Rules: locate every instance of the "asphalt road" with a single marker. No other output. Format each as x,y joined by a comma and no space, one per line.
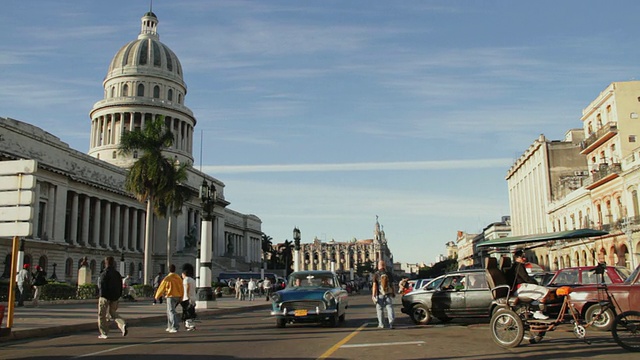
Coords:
253,335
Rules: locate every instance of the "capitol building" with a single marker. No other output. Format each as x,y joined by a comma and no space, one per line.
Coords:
81,208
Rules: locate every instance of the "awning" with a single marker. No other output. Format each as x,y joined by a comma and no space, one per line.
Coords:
522,239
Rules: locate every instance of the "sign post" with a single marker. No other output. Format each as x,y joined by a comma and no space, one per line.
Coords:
17,197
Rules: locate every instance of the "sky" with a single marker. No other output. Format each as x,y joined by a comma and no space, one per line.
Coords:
327,114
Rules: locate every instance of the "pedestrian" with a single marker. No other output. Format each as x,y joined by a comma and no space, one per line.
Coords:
156,284
266,286
251,288
189,298
110,288
39,280
383,294
238,287
171,287
127,288
23,280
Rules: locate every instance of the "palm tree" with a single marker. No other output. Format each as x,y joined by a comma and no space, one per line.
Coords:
266,246
151,176
286,250
173,200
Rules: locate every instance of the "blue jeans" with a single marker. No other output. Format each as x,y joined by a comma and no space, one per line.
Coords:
172,315
384,301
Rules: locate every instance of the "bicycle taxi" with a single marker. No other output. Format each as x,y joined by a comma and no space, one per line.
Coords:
512,320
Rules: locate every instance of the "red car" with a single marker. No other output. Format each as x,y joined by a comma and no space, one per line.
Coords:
626,293
584,275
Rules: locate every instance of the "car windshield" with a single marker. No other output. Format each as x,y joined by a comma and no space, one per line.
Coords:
434,284
310,281
633,276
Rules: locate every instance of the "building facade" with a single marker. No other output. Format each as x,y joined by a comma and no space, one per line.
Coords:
81,208
595,185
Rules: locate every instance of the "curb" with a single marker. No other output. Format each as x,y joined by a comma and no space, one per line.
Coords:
88,326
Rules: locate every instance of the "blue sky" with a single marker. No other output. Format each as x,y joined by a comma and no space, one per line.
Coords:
324,114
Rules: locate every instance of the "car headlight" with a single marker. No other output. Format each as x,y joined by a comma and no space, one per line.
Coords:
275,297
328,296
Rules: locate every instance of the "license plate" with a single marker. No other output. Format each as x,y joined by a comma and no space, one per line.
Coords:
300,313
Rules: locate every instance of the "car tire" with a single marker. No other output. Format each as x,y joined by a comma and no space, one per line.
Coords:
281,322
604,322
420,314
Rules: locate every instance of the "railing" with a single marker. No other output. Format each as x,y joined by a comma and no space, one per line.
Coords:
605,170
611,126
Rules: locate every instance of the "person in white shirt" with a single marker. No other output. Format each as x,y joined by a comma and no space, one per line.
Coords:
189,298
252,289
266,287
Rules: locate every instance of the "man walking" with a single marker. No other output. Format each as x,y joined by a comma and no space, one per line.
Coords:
171,287
23,280
110,286
39,280
156,283
383,294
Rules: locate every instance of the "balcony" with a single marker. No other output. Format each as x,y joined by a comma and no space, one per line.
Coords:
596,139
604,174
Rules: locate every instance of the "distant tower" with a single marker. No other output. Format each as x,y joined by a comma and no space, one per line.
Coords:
144,81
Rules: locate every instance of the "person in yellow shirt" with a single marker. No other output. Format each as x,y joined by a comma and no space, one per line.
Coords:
171,288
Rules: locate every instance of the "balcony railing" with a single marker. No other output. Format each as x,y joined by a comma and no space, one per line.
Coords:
605,170
609,128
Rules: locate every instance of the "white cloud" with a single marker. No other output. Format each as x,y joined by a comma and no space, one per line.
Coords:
364,166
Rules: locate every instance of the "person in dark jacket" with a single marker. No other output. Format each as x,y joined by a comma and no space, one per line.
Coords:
110,287
525,286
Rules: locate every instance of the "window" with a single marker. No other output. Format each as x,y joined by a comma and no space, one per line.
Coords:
632,138
113,155
633,115
140,90
156,92
170,95
68,268
125,90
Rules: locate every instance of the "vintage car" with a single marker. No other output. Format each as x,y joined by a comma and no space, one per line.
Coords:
457,294
310,296
577,278
626,297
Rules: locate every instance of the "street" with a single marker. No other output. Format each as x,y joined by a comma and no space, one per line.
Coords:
253,335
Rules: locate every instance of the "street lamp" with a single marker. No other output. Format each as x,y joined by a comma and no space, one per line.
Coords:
122,266
205,293
296,249
333,258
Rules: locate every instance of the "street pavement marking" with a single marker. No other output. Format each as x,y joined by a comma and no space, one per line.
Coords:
118,348
383,344
342,342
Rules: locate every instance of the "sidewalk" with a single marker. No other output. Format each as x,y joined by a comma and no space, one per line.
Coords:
63,317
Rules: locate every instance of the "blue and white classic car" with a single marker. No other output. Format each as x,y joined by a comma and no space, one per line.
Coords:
310,296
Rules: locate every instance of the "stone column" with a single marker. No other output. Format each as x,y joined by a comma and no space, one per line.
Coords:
51,209
117,240
133,242
73,233
60,210
97,214
107,225
85,220
126,230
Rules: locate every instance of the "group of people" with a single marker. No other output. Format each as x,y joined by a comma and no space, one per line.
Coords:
25,280
247,290
175,289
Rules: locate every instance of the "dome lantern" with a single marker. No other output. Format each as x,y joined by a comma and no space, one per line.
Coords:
149,26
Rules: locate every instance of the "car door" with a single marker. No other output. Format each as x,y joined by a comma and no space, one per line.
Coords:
447,300
477,295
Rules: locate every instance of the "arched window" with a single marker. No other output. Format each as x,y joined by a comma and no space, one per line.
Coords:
43,262
113,155
27,259
156,92
179,98
68,268
140,90
113,91
92,266
132,268
170,95
125,90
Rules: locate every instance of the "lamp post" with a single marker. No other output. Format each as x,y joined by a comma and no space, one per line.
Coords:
296,249
333,258
205,293
122,266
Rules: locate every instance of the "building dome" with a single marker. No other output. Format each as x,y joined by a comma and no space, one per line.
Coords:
144,81
146,54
